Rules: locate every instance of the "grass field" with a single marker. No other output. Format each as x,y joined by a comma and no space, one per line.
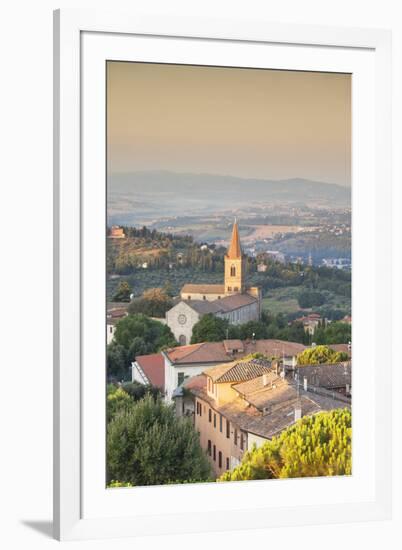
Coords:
282,300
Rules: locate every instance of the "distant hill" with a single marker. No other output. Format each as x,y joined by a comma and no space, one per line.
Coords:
143,195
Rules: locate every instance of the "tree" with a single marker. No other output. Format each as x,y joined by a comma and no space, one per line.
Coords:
318,445
123,292
320,354
149,445
310,298
334,333
209,329
154,302
117,361
153,333
117,400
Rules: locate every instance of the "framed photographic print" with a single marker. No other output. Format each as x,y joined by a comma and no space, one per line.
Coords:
222,250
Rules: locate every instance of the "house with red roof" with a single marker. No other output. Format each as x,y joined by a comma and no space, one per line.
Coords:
149,370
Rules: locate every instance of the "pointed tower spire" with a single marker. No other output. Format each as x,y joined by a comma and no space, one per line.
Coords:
234,250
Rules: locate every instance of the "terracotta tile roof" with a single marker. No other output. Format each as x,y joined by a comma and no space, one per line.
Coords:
216,352
177,355
202,289
274,348
257,384
223,305
233,345
275,410
154,368
230,303
204,306
328,375
238,371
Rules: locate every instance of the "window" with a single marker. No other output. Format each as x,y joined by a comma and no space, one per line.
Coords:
214,420
236,289
110,330
180,378
229,288
220,459
188,297
233,271
235,437
241,441
210,415
182,340
214,453
204,297
220,423
227,429
227,464
209,447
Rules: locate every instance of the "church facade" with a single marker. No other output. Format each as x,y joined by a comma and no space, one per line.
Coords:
232,300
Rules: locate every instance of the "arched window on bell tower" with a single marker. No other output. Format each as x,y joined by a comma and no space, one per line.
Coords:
233,271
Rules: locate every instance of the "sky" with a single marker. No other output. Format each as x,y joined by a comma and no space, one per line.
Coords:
255,123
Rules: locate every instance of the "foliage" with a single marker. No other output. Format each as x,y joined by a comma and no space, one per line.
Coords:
117,362
320,354
209,329
318,445
149,445
114,484
310,298
334,333
137,391
154,302
123,292
120,398
153,334
117,400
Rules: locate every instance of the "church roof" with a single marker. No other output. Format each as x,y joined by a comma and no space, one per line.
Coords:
234,251
203,289
224,305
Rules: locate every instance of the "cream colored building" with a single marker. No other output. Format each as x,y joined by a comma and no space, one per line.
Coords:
188,361
243,404
232,300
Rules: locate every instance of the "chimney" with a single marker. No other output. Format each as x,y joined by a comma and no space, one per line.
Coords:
265,379
298,410
305,385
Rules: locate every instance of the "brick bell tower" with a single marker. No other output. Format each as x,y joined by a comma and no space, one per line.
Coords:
234,265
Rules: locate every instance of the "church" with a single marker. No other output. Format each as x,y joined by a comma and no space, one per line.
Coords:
232,300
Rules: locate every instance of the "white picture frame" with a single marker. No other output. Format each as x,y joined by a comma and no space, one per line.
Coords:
83,40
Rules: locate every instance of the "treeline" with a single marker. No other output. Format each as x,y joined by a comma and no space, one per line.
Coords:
214,329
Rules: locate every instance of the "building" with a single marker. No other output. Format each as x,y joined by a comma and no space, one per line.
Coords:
240,405
232,300
116,232
186,362
115,312
149,370
311,322
335,377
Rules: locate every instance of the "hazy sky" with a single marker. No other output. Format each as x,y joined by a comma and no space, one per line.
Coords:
243,122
